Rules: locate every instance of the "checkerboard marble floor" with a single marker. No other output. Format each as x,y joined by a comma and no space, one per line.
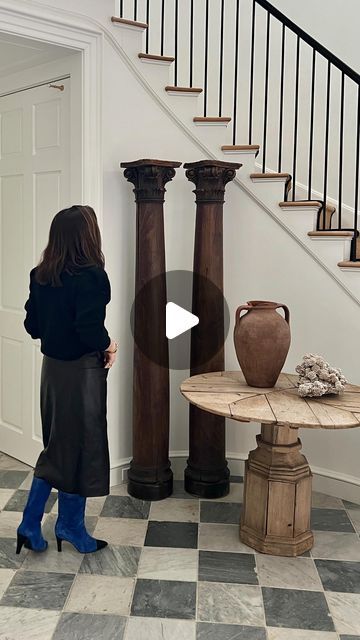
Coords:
176,570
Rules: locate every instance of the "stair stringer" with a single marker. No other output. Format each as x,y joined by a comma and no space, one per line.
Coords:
268,198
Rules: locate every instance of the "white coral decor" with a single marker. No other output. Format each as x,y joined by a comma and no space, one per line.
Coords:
317,378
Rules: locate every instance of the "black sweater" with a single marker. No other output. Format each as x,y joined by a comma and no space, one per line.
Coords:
69,320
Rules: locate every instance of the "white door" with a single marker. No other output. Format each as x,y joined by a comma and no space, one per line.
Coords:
34,185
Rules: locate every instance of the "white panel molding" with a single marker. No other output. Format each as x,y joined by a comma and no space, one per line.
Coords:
61,28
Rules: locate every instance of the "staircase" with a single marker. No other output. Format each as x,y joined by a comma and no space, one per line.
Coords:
317,203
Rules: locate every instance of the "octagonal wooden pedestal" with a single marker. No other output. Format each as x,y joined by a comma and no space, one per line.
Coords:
277,494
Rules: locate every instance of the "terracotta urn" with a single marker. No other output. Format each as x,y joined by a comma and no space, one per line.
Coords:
262,341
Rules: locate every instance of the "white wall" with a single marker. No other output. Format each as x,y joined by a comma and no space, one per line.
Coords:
261,260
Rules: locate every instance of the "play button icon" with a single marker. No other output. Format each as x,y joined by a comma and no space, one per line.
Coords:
178,320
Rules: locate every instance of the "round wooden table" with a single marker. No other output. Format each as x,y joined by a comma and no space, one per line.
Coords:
277,485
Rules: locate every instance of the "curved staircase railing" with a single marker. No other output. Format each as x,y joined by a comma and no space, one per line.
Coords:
272,84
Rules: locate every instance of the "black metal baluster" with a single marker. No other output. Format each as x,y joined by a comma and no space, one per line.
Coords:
281,98
252,71
341,153
266,92
147,22
234,118
191,42
162,27
176,44
327,126
206,55
121,8
221,56
135,10
296,117
357,167
312,113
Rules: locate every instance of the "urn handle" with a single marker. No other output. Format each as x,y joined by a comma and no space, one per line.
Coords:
286,311
243,307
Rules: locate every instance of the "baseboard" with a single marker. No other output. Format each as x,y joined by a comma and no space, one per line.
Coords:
326,481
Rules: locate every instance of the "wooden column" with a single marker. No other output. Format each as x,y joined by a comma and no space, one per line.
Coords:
277,495
207,473
150,476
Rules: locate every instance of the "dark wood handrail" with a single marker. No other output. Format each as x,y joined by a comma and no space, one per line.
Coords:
348,71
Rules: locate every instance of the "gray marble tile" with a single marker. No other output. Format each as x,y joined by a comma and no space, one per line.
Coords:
89,626
164,599
19,499
112,561
208,631
175,510
221,537
287,573
6,575
27,624
100,594
48,526
182,535
163,563
8,557
349,637
296,609
5,495
354,515
345,610
125,507
219,566
220,512
339,576
335,546
36,590
12,479
331,520
159,628
237,479
7,462
323,501
179,491
230,604
351,505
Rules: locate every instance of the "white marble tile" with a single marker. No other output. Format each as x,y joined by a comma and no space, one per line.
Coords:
235,494
354,515
345,611
26,484
6,575
221,537
17,623
336,546
8,463
287,573
230,604
5,495
160,563
175,510
323,501
121,531
119,490
275,633
9,522
100,594
154,629
51,560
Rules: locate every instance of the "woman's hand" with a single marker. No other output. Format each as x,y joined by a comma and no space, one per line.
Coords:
110,355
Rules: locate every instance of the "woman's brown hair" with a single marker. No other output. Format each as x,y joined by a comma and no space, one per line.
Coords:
74,242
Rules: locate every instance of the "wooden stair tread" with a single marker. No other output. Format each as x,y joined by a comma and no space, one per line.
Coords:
240,147
266,176
132,23
155,57
297,203
183,89
212,119
337,234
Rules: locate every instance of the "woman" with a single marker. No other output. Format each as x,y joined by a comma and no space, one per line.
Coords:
69,291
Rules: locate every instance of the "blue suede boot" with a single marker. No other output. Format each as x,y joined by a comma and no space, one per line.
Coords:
29,530
70,525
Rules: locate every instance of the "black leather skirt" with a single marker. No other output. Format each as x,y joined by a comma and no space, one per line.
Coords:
73,397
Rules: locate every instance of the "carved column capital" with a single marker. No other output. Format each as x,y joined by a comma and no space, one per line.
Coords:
210,178
149,178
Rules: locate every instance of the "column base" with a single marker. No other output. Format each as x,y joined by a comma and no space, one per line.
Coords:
149,484
207,487
277,546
